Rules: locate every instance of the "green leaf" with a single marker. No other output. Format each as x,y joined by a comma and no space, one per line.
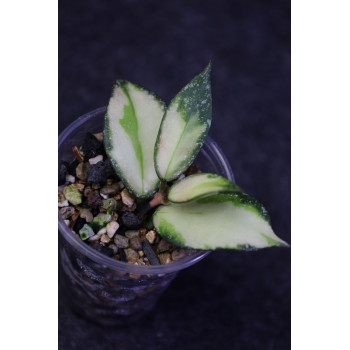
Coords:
200,185
227,221
184,127
132,123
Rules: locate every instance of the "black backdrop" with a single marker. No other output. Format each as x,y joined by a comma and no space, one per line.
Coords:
230,300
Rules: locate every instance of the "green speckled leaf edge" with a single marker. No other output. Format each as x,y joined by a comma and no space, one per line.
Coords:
199,143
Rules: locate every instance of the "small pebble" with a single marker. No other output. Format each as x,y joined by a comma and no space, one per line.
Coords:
91,147
86,214
130,220
79,186
102,249
125,208
67,212
70,178
165,258
178,254
100,221
62,201
121,241
94,200
104,196
105,239
135,243
132,233
86,232
81,170
112,228
72,195
94,238
99,136
109,204
127,198
130,254
102,231
151,236
96,159
87,191
110,190
150,254
163,246
136,261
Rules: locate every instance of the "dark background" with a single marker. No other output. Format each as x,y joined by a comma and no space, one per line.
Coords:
230,300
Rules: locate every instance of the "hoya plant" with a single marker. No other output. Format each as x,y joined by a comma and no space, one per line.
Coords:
150,145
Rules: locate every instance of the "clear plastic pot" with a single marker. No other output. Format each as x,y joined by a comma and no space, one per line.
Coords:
100,288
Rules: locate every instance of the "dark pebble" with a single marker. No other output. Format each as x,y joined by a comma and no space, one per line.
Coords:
71,167
135,243
122,255
91,147
150,253
79,223
62,174
100,172
130,220
102,249
94,200
143,209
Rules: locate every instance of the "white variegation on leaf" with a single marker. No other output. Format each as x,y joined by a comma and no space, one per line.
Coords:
132,123
200,185
184,127
228,221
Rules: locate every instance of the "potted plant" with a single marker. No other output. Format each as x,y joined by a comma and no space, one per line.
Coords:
150,147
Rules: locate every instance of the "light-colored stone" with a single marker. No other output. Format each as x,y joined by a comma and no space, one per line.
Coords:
112,228
105,239
110,190
131,254
164,258
81,170
99,136
121,241
67,212
132,233
102,231
96,159
94,238
151,236
62,201
86,214
72,195
70,178
127,198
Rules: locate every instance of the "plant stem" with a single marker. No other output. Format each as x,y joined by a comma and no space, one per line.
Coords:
160,196
156,200
162,187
